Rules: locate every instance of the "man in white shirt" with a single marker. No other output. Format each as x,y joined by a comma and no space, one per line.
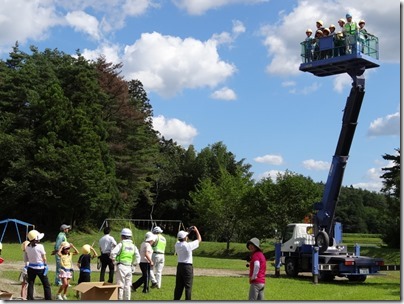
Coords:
107,243
185,271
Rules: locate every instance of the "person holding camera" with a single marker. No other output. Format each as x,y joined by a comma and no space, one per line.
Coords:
185,271
258,266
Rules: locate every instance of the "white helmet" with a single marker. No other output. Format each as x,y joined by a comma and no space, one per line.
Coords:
126,232
149,236
157,230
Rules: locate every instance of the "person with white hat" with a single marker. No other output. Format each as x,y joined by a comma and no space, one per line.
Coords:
61,237
126,256
308,46
35,256
159,247
258,266
185,271
146,262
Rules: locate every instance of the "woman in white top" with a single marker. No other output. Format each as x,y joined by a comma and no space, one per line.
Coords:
35,255
146,262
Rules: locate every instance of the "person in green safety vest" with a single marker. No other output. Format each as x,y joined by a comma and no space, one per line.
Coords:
159,248
351,32
126,256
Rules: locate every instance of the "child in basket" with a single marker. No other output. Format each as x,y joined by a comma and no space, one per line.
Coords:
84,264
66,269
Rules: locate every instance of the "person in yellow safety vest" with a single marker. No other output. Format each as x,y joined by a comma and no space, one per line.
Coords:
126,256
159,247
351,31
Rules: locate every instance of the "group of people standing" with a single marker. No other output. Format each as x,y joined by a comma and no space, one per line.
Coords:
121,258
345,40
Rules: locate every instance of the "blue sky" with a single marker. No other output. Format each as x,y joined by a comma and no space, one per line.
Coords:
228,70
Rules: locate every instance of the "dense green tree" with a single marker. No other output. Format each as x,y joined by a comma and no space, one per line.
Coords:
293,199
219,204
50,114
391,183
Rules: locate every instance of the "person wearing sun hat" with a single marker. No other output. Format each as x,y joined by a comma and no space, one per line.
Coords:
258,266
35,256
185,271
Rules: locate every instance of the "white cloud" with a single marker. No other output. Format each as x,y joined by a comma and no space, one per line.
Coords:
270,159
175,129
286,84
306,90
168,65
282,43
83,22
199,7
372,182
109,51
224,94
312,164
21,20
388,125
273,174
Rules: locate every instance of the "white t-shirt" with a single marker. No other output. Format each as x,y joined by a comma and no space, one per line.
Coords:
144,248
107,242
33,255
184,251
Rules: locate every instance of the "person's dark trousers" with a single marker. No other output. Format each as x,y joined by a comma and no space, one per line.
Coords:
183,279
32,274
144,279
106,261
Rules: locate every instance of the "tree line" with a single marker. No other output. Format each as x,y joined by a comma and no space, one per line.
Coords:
78,146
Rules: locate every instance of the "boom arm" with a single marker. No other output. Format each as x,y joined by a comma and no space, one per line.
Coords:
324,218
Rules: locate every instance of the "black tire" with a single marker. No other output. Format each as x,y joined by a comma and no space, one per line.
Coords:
326,276
322,241
357,278
291,267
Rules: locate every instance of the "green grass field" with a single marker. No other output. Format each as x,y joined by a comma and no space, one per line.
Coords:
214,256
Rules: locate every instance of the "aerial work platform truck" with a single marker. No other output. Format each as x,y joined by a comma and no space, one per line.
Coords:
317,246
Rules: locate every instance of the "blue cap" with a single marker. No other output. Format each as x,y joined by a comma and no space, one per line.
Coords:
348,16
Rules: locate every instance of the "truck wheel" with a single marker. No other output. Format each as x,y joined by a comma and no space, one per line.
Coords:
322,241
291,268
326,276
357,278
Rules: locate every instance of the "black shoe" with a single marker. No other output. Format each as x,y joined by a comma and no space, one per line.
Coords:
133,288
154,285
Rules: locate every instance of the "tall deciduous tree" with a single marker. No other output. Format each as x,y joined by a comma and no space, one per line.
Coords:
219,204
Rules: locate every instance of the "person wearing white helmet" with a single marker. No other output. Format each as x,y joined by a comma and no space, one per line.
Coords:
146,262
61,237
158,257
35,256
185,272
363,37
308,46
258,266
106,243
351,31
84,264
125,255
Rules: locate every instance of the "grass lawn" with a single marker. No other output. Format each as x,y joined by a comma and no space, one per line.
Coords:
212,256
